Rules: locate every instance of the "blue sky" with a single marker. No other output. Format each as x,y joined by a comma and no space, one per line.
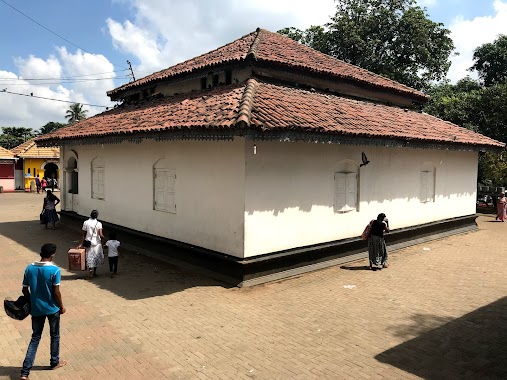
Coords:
156,34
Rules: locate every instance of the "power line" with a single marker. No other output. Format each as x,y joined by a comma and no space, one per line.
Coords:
56,34
45,83
56,100
70,77
55,81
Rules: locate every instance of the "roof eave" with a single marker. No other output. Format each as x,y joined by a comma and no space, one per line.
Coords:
270,135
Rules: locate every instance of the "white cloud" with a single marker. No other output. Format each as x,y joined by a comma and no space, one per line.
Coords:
33,112
159,36
139,42
469,34
426,3
34,67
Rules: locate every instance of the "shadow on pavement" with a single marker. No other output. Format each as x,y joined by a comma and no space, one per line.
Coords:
14,372
138,276
352,267
470,347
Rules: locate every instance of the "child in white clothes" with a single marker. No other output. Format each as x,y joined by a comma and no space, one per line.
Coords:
112,246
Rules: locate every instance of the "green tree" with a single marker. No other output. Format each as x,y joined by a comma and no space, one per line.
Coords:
393,38
474,106
493,166
50,127
470,105
11,137
75,113
490,61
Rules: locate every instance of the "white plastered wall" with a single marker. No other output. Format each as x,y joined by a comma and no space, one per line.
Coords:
290,191
209,190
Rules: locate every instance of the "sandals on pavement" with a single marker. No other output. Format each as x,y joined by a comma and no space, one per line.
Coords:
60,364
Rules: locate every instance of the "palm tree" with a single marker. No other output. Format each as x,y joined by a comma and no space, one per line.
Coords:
75,113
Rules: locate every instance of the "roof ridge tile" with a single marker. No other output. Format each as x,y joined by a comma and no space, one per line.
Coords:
252,52
246,103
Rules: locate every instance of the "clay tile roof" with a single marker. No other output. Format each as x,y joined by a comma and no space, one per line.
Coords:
6,154
267,107
212,109
29,149
22,147
273,48
279,108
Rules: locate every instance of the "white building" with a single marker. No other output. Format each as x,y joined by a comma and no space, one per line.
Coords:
250,157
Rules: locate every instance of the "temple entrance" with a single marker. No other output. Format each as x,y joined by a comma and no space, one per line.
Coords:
51,171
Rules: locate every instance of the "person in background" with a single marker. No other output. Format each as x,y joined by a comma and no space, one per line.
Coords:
49,209
92,233
501,205
113,247
52,182
44,183
38,184
41,283
377,250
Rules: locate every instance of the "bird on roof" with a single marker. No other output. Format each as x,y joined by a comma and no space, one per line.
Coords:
364,159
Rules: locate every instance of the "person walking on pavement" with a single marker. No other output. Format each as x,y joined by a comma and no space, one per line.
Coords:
41,283
38,184
501,207
377,250
91,240
49,209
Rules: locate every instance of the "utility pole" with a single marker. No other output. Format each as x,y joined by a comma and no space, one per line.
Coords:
131,71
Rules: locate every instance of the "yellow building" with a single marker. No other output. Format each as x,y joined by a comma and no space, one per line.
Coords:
36,161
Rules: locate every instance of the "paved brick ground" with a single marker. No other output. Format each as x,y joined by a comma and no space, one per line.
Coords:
438,312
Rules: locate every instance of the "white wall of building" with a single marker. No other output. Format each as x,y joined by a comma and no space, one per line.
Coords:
232,200
209,190
290,191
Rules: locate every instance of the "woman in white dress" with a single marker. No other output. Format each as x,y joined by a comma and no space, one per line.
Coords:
91,241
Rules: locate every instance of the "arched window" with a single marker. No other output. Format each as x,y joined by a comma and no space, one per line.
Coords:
346,187
164,186
427,182
98,178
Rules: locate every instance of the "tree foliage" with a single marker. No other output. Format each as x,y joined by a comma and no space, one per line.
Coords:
470,105
51,127
490,61
393,38
75,113
11,137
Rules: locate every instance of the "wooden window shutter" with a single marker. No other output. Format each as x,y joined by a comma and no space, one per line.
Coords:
424,186
351,190
164,190
340,191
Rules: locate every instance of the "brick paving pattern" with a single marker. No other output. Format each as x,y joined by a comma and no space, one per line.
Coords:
439,312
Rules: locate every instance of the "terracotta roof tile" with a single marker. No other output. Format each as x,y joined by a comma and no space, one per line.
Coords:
235,51
29,149
216,109
266,107
6,154
22,147
278,108
265,46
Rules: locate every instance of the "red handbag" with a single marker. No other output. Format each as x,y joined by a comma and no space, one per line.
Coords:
367,230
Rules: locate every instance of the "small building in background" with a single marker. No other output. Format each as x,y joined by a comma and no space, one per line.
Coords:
35,161
7,161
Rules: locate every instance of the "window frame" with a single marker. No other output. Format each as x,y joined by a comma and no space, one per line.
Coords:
427,183
160,169
350,178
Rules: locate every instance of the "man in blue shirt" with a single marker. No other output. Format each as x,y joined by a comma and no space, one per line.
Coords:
42,284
